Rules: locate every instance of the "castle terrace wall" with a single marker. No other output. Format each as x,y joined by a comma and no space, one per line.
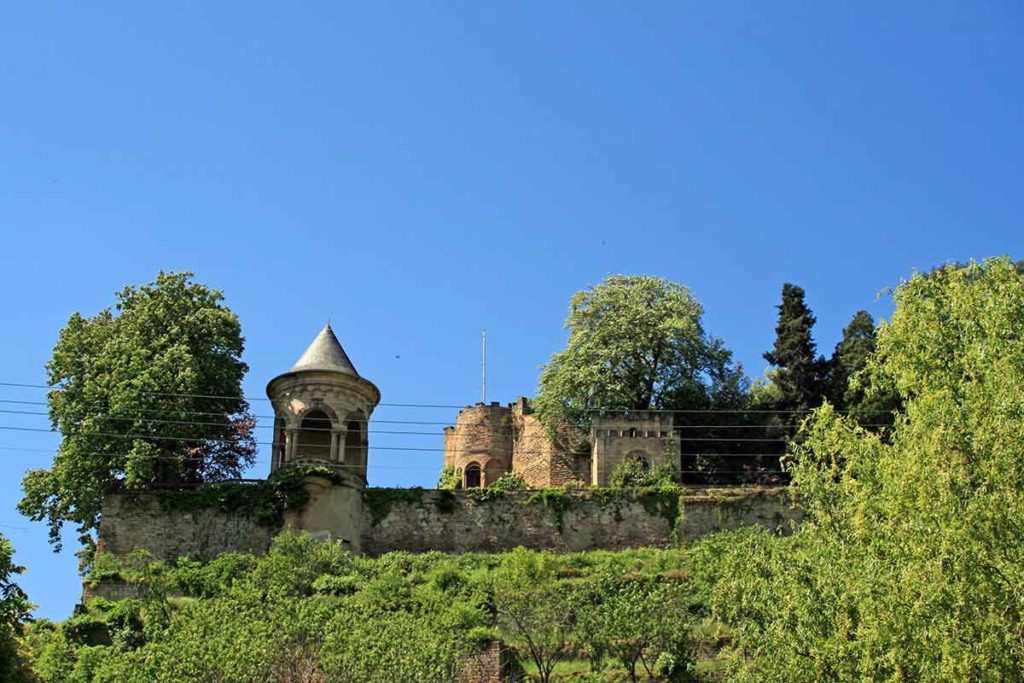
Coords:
140,520
418,520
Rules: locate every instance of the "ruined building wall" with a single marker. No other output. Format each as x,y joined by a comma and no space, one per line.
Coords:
510,439
540,462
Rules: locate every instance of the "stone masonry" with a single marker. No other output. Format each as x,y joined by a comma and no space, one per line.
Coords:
647,436
421,520
482,437
452,522
139,521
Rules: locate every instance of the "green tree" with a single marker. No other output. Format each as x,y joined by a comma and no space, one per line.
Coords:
638,620
635,472
909,565
636,343
849,358
278,617
377,647
14,611
534,613
724,439
148,394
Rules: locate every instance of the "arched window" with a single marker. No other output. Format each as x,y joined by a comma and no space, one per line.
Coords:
315,436
472,475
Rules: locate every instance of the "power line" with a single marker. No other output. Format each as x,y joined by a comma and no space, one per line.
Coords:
464,427
219,414
247,399
417,469
459,429
442,405
246,465
328,430
456,426
408,449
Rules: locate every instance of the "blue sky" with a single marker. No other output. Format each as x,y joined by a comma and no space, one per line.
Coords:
419,171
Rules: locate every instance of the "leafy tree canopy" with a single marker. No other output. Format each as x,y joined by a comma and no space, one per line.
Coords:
850,357
910,565
635,342
148,393
14,610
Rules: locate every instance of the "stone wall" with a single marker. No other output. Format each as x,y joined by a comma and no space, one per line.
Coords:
140,520
493,664
419,520
112,589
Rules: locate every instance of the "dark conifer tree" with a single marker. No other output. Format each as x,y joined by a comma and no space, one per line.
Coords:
798,371
871,401
797,378
850,356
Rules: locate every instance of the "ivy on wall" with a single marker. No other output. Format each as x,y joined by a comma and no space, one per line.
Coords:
265,501
377,502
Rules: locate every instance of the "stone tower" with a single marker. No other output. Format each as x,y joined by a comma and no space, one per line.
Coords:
321,411
479,444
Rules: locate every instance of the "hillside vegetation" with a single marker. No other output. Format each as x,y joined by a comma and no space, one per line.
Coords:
909,565
310,611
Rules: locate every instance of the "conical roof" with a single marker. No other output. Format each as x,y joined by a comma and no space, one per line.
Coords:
325,353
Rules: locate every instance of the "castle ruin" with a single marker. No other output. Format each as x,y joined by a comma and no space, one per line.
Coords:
322,408
489,440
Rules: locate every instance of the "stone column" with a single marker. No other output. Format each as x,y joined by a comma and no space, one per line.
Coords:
291,441
335,453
